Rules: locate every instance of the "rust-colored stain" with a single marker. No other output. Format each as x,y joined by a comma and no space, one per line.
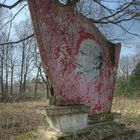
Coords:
80,62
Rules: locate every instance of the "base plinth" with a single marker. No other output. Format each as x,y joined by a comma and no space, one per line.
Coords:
66,118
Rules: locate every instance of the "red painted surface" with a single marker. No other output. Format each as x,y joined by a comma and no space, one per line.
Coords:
62,36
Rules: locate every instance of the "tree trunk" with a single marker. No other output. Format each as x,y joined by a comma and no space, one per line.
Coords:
12,78
7,74
1,74
36,84
22,68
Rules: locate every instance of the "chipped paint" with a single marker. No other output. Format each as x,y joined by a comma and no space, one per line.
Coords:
80,62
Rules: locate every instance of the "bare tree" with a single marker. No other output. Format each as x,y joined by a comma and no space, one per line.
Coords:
26,48
100,12
1,72
5,67
126,66
105,14
44,78
13,65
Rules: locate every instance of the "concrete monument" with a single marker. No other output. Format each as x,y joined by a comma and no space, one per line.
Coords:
80,62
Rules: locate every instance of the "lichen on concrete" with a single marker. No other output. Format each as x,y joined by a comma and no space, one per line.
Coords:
30,135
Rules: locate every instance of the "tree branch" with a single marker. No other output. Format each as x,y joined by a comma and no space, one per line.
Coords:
11,6
117,12
99,3
16,42
115,21
127,30
13,17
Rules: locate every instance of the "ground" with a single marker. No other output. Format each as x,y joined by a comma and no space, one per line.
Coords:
20,120
130,110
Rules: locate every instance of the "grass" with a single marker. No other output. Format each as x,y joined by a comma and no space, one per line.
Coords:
19,120
130,110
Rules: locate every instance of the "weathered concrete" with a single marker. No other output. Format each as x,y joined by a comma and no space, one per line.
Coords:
80,62
66,118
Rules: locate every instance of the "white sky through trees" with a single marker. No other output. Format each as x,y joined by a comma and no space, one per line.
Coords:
129,42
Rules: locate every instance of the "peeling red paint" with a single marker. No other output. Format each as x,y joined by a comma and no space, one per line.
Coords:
98,87
110,98
98,107
67,42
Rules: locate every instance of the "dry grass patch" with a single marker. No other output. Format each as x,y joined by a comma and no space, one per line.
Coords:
124,105
130,110
21,118
18,118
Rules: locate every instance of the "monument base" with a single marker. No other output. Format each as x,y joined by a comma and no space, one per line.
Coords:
103,127
66,118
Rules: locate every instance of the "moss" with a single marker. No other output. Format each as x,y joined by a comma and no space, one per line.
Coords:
132,118
30,135
104,117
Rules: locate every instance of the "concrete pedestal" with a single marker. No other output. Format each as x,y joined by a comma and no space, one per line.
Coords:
66,118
